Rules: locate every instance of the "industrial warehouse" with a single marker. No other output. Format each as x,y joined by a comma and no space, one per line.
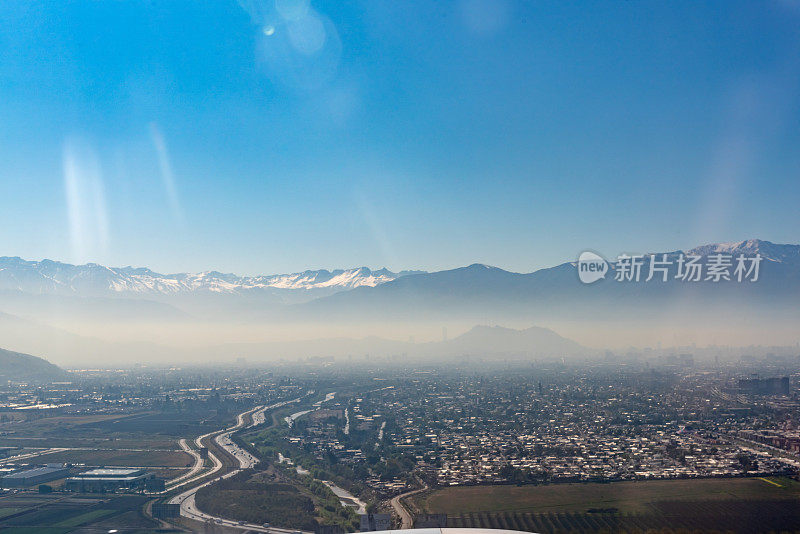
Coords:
110,479
32,477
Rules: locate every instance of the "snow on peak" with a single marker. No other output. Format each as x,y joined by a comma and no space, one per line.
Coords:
93,279
768,250
344,279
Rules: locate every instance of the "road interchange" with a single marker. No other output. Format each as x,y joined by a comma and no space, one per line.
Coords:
223,444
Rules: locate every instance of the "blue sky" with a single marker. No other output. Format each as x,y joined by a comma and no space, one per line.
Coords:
275,136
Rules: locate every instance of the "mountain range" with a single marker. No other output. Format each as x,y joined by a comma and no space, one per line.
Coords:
127,312
92,279
476,290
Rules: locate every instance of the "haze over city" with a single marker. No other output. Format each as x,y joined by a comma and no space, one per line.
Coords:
453,267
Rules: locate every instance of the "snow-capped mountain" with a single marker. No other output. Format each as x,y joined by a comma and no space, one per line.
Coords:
52,277
482,291
45,305
769,251
344,279
479,283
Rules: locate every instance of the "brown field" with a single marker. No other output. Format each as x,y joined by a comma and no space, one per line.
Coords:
49,424
727,505
156,458
167,472
97,442
133,426
633,496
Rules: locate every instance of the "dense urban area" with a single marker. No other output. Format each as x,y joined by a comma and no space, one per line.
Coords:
359,444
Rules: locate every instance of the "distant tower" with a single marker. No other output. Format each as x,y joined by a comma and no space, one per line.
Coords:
444,333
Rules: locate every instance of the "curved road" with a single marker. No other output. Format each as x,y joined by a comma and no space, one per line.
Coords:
188,478
406,521
196,468
222,438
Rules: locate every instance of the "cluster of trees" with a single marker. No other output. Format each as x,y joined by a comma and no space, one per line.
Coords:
515,475
747,462
391,464
270,442
331,510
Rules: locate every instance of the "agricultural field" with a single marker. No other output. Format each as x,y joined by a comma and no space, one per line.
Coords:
728,505
137,458
61,515
42,442
76,430
173,424
44,425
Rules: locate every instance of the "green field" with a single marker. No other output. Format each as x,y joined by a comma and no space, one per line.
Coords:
55,514
735,505
84,518
35,530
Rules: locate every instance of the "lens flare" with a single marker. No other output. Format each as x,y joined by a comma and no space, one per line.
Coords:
167,176
86,204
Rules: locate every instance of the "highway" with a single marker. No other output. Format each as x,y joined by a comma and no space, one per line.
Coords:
245,460
195,473
196,468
